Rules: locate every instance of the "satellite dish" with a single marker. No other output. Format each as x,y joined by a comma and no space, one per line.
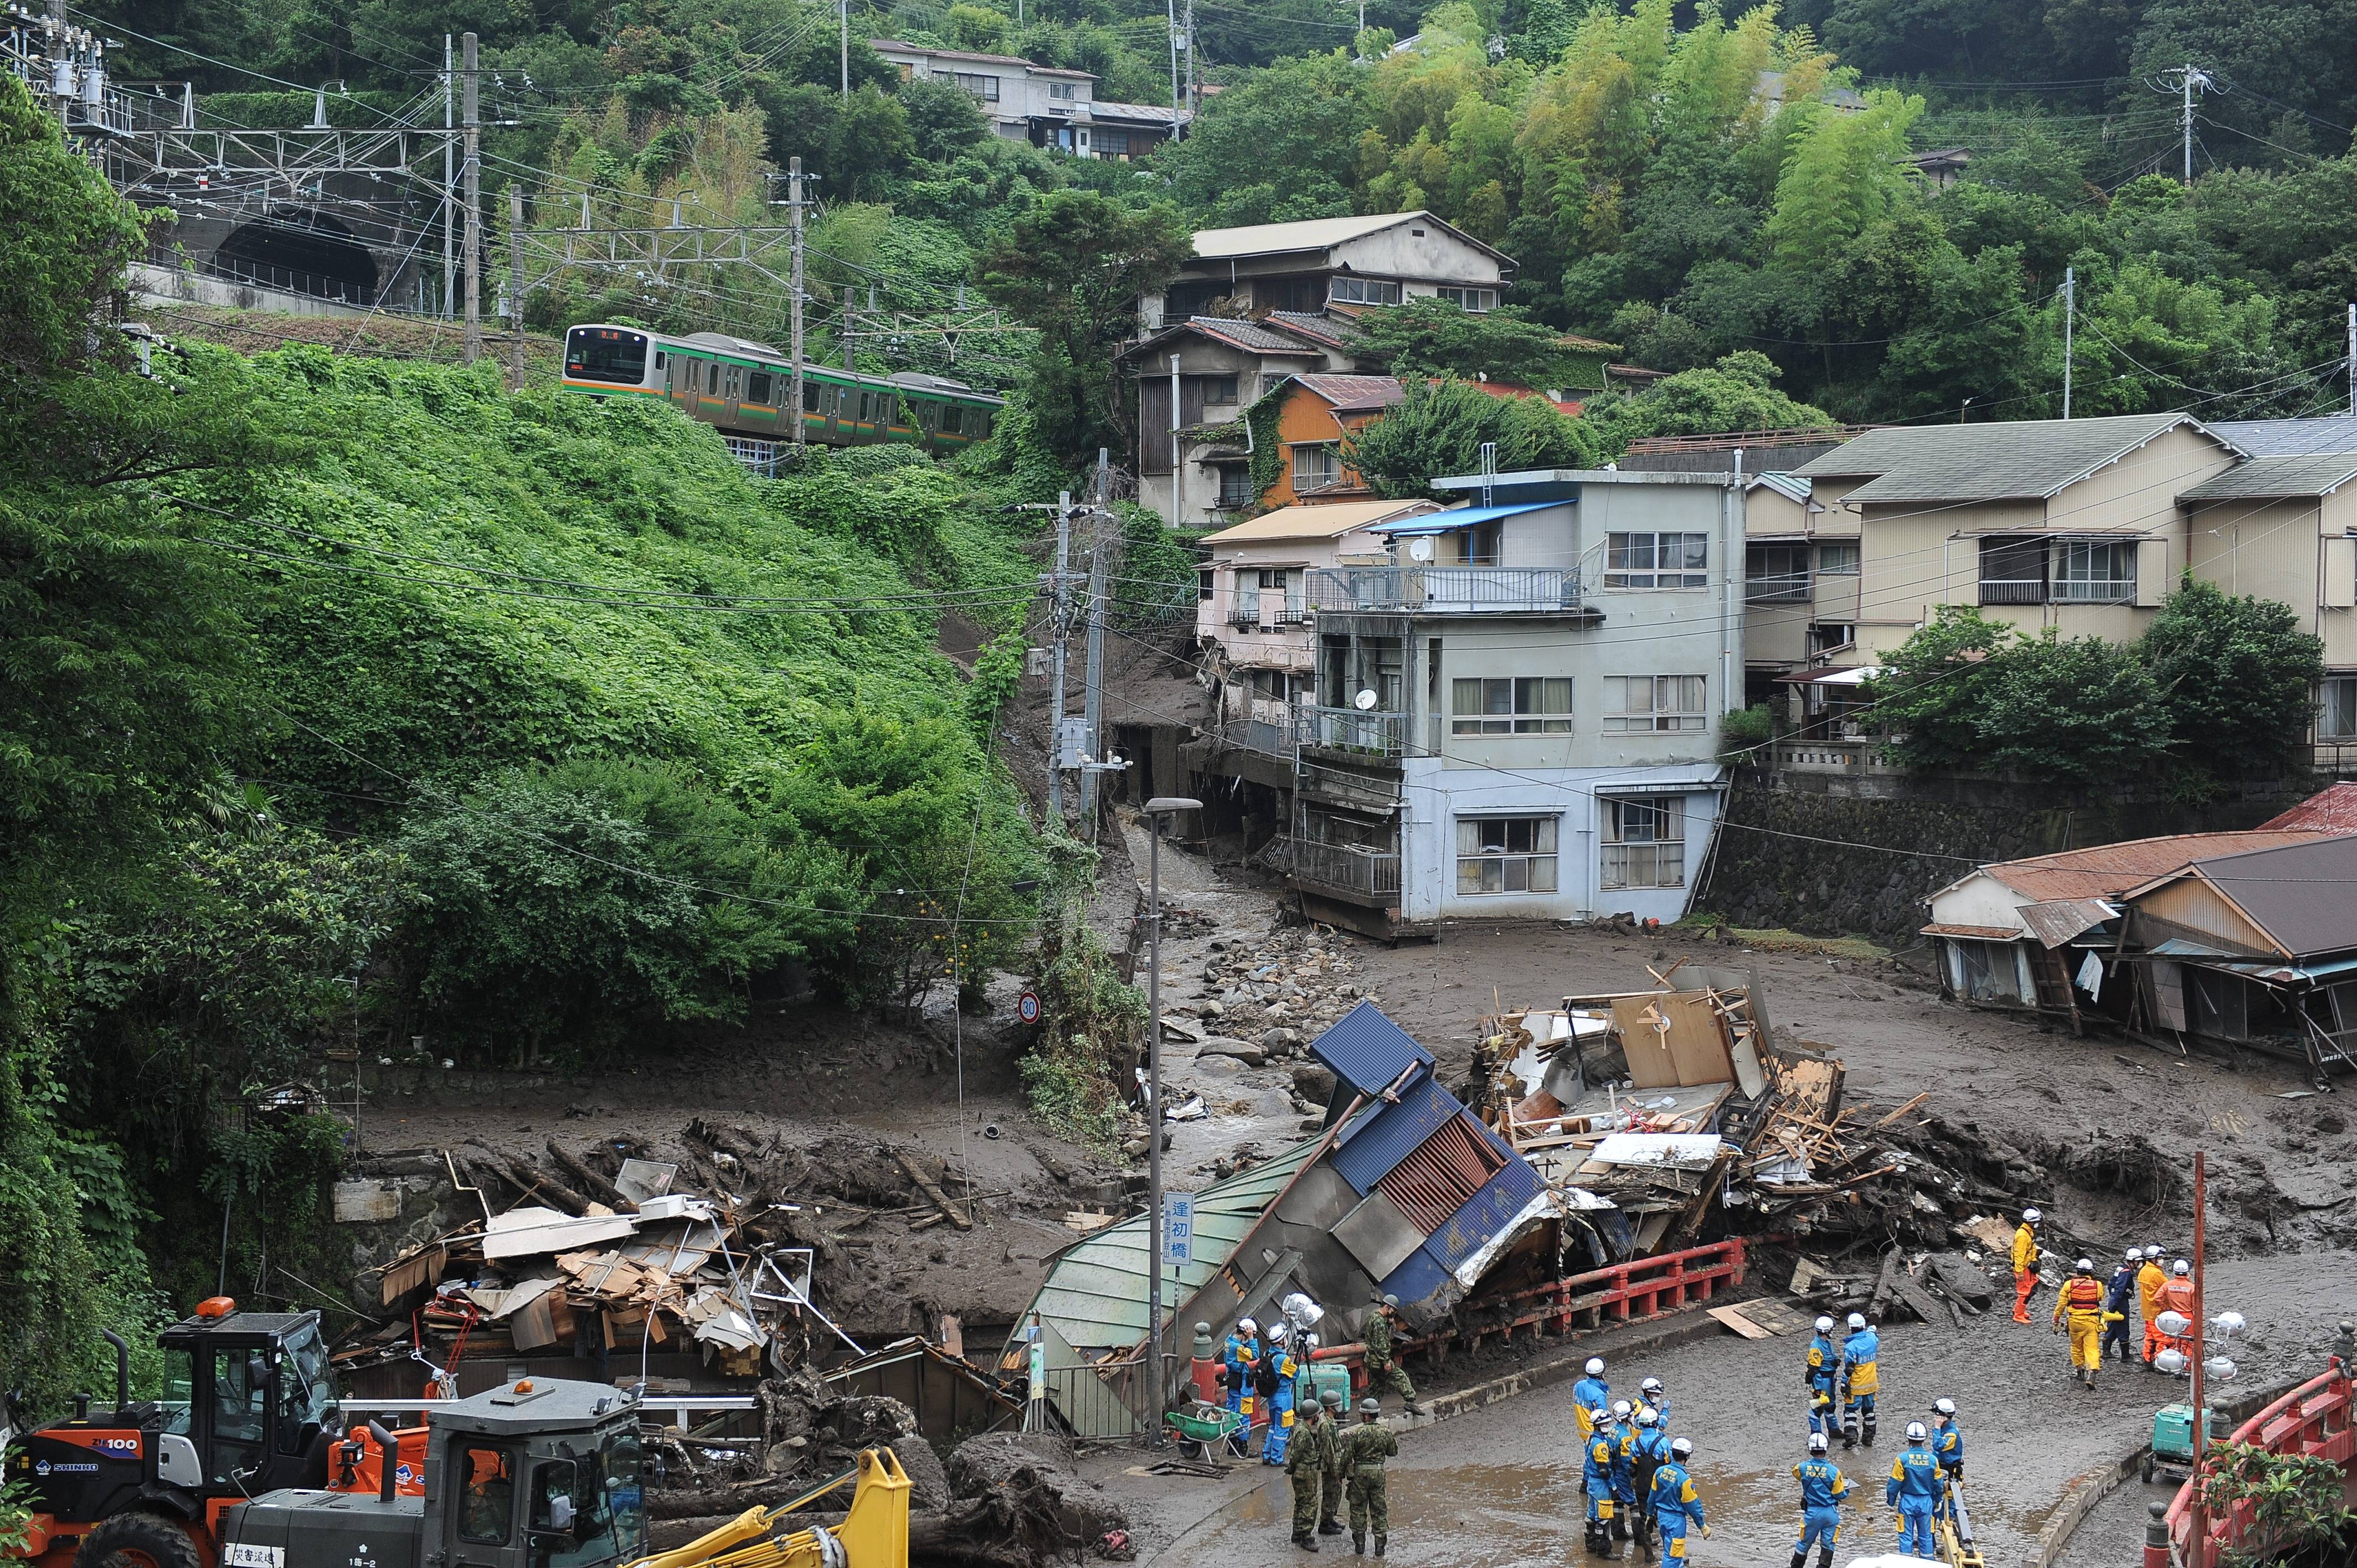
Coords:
1365,701
1420,548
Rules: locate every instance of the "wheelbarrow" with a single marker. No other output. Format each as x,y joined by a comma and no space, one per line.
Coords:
2171,1456
1202,1429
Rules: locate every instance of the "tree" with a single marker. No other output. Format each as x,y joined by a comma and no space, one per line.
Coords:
1441,427
1934,688
943,118
2299,1515
2237,678
1848,171
2080,712
1074,265
1289,132
1432,337
1736,393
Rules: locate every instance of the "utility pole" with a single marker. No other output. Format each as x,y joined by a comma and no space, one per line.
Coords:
450,190
2070,307
794,206
2185,81
1190,65
471,264
842,17
515,286
1177,471
849,363
1057,619
1093,676
1170,10
2353,358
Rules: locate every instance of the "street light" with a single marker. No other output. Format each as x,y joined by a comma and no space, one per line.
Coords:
1160,806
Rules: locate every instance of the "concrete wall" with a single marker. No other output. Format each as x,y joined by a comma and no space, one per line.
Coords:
1433,256
1857,856
2294,550
168,285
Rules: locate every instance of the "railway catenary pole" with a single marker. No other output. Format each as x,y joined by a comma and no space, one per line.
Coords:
515,286
471,264
842,17
794,206
849,363
1170,9
449,189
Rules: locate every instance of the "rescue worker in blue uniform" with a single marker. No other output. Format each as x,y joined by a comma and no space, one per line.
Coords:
1914,1490
1651,1393
1824,1368
1597,1460
2122,1290
1822,1490
1860,1376
1281,1377
1676,1505
1624,1488
1240,1356
1590,1393
1648,1454
1948,1448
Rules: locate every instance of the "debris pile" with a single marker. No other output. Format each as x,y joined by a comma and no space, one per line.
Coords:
608,1247
1261,1001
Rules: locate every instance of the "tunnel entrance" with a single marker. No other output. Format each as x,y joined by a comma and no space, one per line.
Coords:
307,252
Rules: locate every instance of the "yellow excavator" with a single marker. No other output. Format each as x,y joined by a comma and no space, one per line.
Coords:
873,1534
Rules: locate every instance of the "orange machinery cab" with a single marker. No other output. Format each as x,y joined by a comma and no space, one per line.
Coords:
246,1406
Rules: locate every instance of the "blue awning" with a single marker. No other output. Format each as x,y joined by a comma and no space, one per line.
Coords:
1463,517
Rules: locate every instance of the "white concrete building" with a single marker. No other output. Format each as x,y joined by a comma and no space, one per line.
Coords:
1045,105
1518,717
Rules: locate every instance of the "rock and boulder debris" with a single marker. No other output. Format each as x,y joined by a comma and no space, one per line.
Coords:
1244,1051
1040,1469
1313,1081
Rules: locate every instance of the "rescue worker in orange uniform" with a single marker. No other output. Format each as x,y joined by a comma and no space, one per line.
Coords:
2149,1281
2079,1306
2025,1264
2176,1296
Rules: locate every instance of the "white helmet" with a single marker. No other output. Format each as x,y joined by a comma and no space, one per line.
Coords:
1648,1416
2153,1252
2031,1217
1599,1417
2084,1265
1825,1326
1856,1321
1682,1448
2181,1267
1596,1366
1943,1407
1915,1433
2133,1254
1650,1386
1620,1410
1246,1326
1276,1333
1817,1443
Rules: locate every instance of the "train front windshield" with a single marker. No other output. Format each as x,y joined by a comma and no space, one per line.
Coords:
606,354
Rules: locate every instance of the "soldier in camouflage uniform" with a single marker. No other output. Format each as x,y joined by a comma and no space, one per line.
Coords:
1363,1454
1329,1517
1313,1454
1383,1372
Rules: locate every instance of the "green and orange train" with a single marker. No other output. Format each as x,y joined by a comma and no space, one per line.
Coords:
744,388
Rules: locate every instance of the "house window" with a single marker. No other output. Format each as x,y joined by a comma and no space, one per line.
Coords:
1112,144
1824,636
1644,843
1657,561
1219,389
1648,705
1060,89
1203,590
982,87
1236,486
1470,299
1776,574
1525,704
1314,467
1247,609
1984,971
2013,570
758,386
1362,291
1836,560
2336,712
2088,573
1505,855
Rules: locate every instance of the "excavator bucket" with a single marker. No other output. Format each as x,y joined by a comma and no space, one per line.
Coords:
873,1534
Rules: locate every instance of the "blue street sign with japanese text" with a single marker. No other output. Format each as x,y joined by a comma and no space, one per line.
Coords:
1177,1228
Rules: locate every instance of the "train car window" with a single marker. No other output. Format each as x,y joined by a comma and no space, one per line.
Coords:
659,358
812,394
866,413
712,381
732,381
758,386
606,354
952,419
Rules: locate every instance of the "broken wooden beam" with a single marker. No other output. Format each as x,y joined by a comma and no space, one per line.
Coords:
932,1190
581,1171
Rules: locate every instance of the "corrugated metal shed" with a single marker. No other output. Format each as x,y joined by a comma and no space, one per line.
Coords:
1095,1291
2058,920
2304,896
1493,1207
1381,1139
1367,1050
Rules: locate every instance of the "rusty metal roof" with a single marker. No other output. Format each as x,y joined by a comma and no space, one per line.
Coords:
2057,921
2332,809
1979,933
2108,870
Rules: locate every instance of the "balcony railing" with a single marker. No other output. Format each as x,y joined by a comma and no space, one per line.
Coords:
1349,729
1447,590
1346,868
2093,591
2013,590
1777,588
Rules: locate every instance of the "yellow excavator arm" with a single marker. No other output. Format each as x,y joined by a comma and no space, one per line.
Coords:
873,1534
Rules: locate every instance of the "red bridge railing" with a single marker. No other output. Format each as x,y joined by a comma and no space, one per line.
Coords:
2313,1419
1622,1293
